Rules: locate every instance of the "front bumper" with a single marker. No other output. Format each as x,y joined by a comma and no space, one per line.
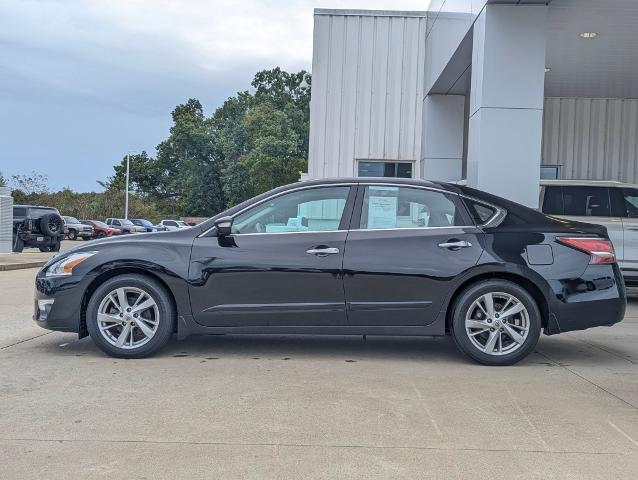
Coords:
58,302
597,298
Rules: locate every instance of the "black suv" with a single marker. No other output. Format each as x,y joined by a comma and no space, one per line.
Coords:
38,227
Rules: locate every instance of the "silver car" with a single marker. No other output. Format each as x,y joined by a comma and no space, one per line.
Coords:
608,203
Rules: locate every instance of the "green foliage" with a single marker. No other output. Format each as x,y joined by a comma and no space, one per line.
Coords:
252,143
89,205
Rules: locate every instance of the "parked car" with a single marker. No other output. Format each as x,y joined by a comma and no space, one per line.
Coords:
101,229
37,227
174,224
124,225
148,225
344,256
76,229
613,205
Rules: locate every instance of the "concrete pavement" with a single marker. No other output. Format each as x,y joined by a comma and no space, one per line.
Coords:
29,258
312,407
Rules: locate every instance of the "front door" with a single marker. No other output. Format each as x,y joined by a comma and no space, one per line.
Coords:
402,253
282,264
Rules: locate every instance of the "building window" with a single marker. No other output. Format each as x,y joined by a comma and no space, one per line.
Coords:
372,168
549,172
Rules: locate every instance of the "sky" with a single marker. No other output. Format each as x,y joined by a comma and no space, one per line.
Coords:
82,82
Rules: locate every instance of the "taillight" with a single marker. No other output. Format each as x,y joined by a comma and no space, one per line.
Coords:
600,249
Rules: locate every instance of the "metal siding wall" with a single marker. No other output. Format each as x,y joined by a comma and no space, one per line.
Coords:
367,91
592,138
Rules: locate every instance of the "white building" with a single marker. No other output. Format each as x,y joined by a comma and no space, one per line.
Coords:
495,92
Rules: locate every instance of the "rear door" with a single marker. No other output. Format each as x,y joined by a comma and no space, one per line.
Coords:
585,203
405,246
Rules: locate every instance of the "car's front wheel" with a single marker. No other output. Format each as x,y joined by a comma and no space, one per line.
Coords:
72,235
130,316
496,322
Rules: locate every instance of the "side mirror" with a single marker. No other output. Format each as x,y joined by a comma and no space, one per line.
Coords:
223,226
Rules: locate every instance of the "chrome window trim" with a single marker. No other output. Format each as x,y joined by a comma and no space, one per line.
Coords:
493,221
279,194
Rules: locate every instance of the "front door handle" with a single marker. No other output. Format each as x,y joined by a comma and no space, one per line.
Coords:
322,251
455,244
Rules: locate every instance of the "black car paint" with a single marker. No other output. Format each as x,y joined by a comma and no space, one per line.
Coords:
268,284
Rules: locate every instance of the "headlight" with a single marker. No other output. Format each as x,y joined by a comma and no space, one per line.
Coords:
67,264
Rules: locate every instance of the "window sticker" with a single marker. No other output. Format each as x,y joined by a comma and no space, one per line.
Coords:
382,212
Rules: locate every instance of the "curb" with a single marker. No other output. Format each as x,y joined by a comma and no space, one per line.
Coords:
20,266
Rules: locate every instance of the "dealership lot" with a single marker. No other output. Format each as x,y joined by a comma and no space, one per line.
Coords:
312,407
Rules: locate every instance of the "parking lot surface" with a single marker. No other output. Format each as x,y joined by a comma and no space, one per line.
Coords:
274,407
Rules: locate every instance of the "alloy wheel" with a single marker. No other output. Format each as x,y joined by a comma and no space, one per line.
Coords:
128,317
497,323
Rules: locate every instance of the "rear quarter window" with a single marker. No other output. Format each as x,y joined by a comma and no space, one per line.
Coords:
480,212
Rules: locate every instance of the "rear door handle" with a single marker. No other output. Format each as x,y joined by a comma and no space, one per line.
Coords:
455,244
322,251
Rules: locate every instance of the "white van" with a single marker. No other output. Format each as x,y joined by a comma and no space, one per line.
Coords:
608,203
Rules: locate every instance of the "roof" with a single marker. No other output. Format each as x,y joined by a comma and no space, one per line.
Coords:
590,183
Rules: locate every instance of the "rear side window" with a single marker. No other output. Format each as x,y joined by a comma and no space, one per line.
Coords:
583,201
406,207
553,201
480,212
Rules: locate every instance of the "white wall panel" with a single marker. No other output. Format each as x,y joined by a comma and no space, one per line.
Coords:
592,138
367,89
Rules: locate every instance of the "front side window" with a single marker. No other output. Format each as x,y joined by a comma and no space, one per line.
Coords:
385,169
584,201
406,207
310,210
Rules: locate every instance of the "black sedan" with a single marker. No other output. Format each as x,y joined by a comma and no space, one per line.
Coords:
351,256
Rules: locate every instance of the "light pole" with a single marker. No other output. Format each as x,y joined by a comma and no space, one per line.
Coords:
128,169
128,161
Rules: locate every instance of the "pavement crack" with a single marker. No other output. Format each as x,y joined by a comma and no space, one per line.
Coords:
25,340
314,445
635,407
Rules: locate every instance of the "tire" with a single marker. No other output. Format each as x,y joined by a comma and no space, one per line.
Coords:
55,247
86,239
51,224
100,235
72,235
476,333
44,249
160,318
18,244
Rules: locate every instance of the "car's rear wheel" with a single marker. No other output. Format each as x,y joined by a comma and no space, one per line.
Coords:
496,322
130,316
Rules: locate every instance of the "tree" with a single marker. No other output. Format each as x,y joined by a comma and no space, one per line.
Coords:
33,183
252,143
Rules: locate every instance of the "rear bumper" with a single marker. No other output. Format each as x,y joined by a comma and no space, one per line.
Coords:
597,298
31,239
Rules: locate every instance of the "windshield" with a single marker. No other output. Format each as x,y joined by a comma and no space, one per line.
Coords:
97,223
125,222
71,220
141,221
181,224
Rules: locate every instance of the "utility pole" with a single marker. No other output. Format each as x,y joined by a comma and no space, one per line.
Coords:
128,160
